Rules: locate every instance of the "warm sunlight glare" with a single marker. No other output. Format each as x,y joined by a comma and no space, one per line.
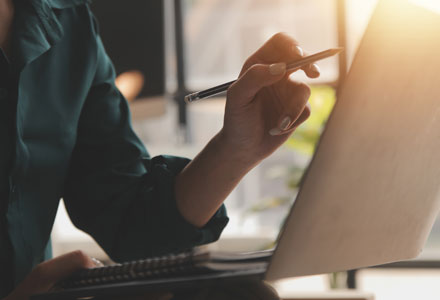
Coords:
433,5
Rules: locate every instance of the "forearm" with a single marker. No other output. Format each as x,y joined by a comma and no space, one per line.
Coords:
263,108
205,183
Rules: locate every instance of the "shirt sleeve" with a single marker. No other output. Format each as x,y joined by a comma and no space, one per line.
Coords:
116,192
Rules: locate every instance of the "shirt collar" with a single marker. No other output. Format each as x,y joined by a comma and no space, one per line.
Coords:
37,28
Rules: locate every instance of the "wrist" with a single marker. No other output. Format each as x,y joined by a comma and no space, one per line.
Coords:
234,152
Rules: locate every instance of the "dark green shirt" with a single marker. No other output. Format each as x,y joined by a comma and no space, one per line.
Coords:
7,112
73,140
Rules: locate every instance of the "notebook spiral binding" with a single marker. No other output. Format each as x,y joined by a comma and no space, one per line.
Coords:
150,268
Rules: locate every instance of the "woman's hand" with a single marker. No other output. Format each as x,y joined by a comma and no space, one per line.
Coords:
264,106
44,277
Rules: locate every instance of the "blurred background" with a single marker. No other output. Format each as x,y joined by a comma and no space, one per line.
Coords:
163,49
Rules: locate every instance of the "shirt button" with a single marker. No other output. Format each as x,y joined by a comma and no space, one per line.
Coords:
3,93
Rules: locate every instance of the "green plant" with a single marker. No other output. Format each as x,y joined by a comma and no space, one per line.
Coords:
302,143
304,139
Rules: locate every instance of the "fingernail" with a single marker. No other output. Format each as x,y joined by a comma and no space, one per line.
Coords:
315,68
97,262
274,131
285,123
277,69
298,50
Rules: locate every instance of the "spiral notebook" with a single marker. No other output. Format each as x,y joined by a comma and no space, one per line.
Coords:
371,193
195,262
173,272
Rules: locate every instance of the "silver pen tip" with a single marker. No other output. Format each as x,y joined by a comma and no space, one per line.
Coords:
191,97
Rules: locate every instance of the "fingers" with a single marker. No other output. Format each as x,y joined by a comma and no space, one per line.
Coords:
280,48
254,79
62,266
294,107
48,273
312,70
290,96
302,118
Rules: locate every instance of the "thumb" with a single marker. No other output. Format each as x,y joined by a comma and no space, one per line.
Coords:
254,79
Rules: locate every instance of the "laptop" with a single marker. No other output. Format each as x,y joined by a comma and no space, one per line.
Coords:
371,193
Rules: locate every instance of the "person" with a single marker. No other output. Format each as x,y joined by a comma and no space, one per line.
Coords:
65,133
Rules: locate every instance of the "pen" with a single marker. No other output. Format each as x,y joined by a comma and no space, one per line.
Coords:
289,67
